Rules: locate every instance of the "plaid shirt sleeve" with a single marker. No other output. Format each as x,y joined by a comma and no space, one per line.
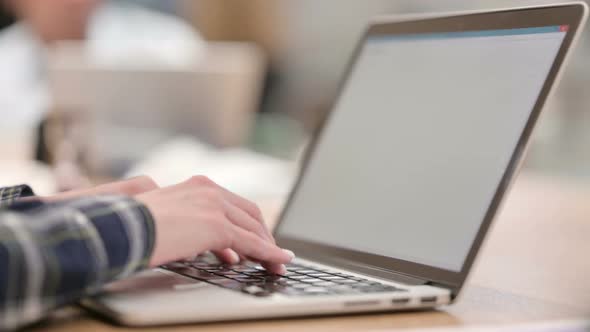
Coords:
9,194
52,254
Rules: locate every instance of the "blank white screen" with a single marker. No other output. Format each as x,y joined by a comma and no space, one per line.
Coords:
411,156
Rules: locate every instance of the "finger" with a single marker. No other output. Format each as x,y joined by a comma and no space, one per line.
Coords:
249,207
227,256
270,267
279,269
139,185
132,186
242,219
249,244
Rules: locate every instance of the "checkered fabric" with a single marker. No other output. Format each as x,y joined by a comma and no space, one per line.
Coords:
53,254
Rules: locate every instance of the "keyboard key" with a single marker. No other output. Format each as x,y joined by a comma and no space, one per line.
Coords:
257,273
319,275
302,286
333,278
244,269
229,274
306,271
299,277
271,277
200,264
256,291
213,268
315,291
247,278
227,283
340,274
346,281
196,274
175,265
269,286
358,279
291,267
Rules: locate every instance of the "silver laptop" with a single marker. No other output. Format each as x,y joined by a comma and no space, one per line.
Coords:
401,183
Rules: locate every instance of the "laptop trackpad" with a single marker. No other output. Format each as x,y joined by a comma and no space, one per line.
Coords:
154,280
161,296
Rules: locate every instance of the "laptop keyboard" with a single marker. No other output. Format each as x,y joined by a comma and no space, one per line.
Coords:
300,280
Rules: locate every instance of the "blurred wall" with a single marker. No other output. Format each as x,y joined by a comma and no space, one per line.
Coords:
253,20
310,43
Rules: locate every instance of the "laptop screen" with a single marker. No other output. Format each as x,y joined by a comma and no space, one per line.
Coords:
417,143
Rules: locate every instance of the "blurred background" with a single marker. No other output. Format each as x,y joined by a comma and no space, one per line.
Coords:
93,90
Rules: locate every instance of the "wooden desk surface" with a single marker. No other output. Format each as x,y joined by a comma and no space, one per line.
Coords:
533,267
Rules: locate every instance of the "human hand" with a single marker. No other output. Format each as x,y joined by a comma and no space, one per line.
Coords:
198,215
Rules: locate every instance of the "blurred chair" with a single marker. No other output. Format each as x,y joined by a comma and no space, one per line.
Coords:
126,107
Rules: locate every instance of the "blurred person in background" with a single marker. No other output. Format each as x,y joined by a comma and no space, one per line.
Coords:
110,29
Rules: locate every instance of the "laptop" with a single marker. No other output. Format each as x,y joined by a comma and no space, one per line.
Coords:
401,183
156,99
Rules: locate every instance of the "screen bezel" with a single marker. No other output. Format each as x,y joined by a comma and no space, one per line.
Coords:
572,14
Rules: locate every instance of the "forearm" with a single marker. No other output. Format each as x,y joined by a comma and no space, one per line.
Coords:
59,252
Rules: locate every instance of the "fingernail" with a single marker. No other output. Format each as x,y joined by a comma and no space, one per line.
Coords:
235,259
282,270
290,253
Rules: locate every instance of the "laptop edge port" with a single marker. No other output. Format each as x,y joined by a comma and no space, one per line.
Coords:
428,300
403,300
361,303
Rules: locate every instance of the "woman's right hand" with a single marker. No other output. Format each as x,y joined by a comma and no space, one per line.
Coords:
198,215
